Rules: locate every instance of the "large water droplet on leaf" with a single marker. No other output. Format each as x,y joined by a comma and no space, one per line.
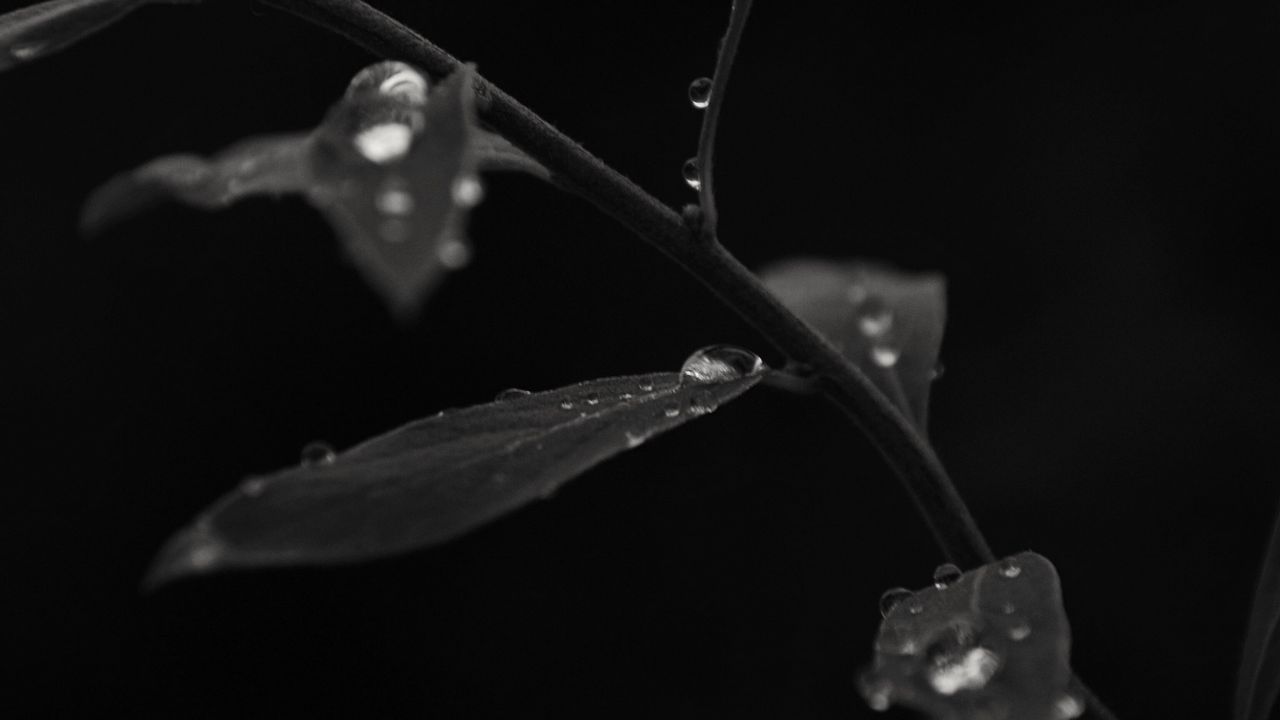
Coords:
890,599
720,363
945,574
700,92
692,175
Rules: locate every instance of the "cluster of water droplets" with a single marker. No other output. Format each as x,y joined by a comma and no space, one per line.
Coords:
700,98
875,322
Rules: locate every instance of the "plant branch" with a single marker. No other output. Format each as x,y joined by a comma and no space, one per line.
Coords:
711,119
910,457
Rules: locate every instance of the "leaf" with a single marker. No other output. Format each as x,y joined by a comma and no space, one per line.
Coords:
45,28
888,323
392,167
993,643
1258,684
437,478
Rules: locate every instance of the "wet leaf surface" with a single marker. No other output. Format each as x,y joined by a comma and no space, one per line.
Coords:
39,30
888,323
437,478
393,167
993,644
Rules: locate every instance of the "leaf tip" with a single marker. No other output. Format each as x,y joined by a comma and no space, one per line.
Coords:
191,551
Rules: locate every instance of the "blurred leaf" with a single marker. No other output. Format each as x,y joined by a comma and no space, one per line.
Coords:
1258,685
42,29
993,643
437,478
888,323
393,168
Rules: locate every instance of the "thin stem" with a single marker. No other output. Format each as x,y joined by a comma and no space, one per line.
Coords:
911,458
711,119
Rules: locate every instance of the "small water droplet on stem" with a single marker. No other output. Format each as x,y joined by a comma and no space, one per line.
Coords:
700,92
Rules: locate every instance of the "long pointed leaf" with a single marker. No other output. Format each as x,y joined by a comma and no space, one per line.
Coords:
38,30
1258,684
440,477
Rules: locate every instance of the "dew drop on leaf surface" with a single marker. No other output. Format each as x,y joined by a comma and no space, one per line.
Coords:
385,142
317,453
944,575
700,92
884,356
891,597
512,394
692,175
720,363
1009,568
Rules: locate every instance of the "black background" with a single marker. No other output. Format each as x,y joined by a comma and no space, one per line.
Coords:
1098,182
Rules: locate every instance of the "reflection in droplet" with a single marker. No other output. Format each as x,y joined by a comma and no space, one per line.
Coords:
1009,568
703,402
720,363
646,386
700,92
915,608
692,176
671,410
317,453
884,355
891,597
454,254
875,318
635,439
566,404
969,669
1067,707
1020,631
945,574
467,191
405,83
385,142
512,394
592,399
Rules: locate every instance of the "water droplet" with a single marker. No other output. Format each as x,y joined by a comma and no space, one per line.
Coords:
671,410
1020,631
405,83
700,92
884,355
317,453
915,608
875,318
625,397
878,693
945,574
1067,707
646,386
1009,568
703,402
692,176
891,598
635,439
512,394
254,487
395,202
23,52
592,399
566,404
720,363
454,254
468,191
966,669
385,142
